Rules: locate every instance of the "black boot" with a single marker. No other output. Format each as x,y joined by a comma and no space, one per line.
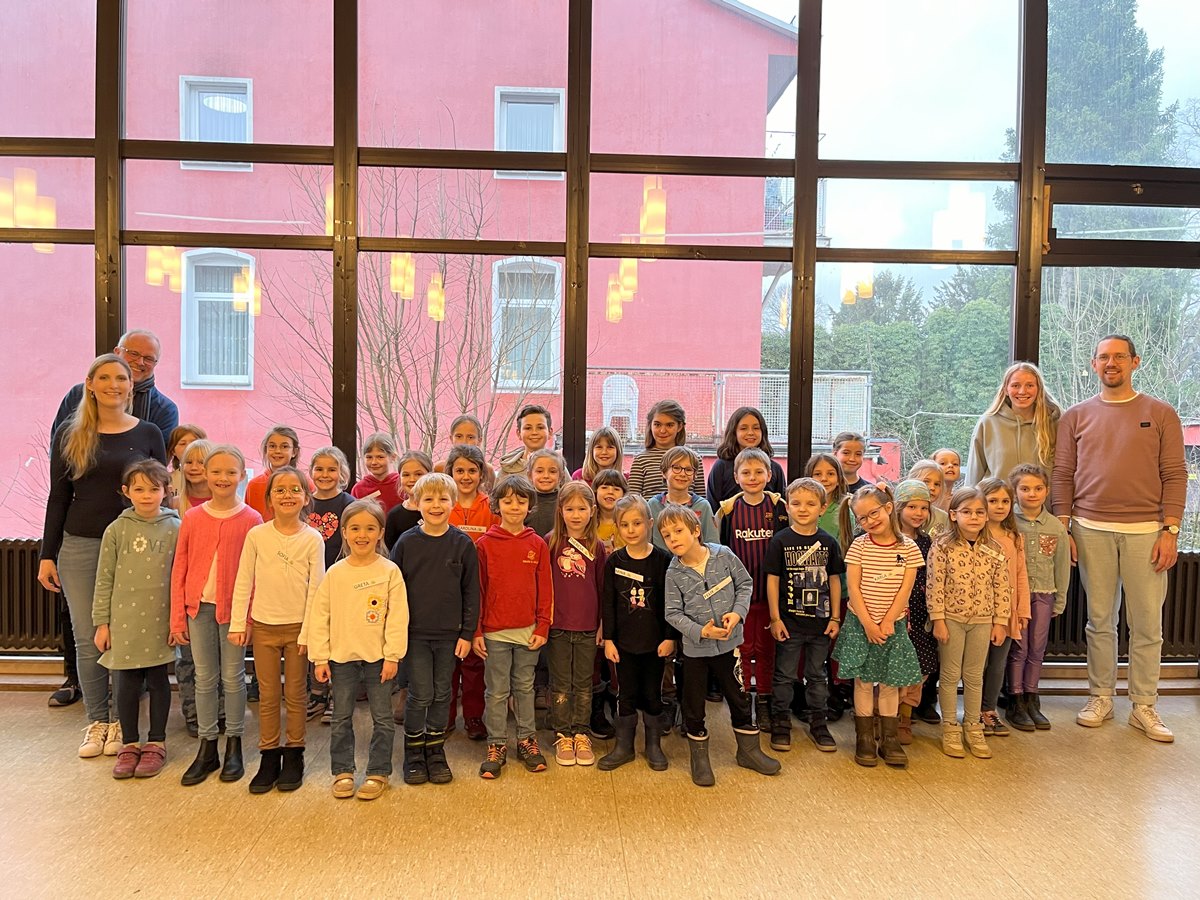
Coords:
623,752
206,761
750,755
435,758
291,774
600,726
799,705
415,769
269,763
655,758
702,773
889,744
762,713
234,768
1018,713
864,744
1033,706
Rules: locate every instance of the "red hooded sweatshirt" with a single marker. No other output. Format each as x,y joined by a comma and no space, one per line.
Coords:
388,488
515,588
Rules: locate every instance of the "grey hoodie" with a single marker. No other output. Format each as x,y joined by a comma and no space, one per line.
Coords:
1002,441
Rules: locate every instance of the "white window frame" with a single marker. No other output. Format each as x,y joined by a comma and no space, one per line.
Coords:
549,267
189,321
189,86
549,96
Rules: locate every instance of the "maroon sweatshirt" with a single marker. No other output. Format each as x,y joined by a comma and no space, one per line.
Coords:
578,583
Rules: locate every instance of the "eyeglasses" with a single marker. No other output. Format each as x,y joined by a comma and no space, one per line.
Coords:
284,491
872,516
132,356
683,470
1113,357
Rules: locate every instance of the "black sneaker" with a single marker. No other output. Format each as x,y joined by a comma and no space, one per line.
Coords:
530,753
819,732
781,734
66,695
497,756
316,706
252,690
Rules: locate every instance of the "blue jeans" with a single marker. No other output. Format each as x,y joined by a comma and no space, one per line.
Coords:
346,678
571,658
508,670
78,559
217,660
815,647
430,670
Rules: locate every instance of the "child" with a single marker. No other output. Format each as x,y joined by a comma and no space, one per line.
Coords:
603,452
930,474
873,647
472,514
441,575
666,427
329,471
707,595
746,522
951,464
804,599
177,444
578,559
533,428
610,486
413,465
467,430
206,561
848,449
548,474
515,604
969,605
679,465
357,632
1002,529
282,563
825,469
912,505
381,483
194,489
637,638
132,634
745,429
1048,563
280,447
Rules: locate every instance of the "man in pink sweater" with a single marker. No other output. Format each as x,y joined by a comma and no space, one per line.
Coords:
1119,485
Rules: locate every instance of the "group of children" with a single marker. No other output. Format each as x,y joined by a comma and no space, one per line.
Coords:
426,582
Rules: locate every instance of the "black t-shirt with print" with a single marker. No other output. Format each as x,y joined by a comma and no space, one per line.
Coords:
804,563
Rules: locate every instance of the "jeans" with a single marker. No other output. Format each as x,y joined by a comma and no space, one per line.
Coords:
507,670
571,658
217,661
346,678
78,559
129,697
815,647
185,676
1025,661
722,667
1109,561
430,668
641,676
993,673
963,655
269,641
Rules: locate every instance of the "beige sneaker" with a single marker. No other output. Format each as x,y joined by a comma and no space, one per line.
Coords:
113,742
343,785
94,738
564,750
373,787
952,741
583,750
1144,717
977,743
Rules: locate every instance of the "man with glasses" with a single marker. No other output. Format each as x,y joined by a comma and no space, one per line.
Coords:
141,350
1119,485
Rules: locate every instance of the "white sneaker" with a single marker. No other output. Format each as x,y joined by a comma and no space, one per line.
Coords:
94,737
1144,717
113,742
1095,711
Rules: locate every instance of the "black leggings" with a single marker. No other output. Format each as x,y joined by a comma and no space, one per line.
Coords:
640,676
129,696
725,670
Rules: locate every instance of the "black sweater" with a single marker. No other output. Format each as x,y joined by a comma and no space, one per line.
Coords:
399,520
633,610
441,577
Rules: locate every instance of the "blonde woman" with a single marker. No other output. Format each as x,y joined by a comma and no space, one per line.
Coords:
1019,427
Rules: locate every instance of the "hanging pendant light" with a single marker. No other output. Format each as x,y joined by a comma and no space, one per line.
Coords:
25,198
435,298
783,311
7,215
628,275
154,266
612,307
329,211
241,289
654,211
402,276
256,301
170,267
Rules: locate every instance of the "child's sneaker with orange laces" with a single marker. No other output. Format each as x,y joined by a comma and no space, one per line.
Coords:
583,750
531,754
497,756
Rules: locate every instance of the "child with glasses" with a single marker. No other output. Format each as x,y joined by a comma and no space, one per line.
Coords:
679,467
666,427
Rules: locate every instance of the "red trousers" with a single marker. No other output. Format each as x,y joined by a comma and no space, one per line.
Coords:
470,672
758,650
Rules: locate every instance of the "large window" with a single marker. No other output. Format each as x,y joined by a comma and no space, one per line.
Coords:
216,109
526,305
217,336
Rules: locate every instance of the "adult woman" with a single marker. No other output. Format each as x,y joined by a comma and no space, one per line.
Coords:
88,455
1019,427
746,428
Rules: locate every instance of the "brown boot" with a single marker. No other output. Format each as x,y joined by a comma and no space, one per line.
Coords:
904,729
864,743
889,746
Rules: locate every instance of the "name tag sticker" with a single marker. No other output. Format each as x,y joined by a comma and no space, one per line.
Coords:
582,549
632,576
716,588
807,553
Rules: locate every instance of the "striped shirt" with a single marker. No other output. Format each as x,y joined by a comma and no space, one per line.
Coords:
646,475
747,531
883,569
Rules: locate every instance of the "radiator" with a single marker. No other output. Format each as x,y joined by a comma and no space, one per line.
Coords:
29,614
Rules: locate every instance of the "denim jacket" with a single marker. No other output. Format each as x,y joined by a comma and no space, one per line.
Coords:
1047,555
692,599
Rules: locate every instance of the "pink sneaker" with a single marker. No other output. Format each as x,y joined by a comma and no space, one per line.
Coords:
128,761
154,757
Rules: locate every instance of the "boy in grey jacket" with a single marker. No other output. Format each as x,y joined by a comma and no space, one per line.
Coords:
707,596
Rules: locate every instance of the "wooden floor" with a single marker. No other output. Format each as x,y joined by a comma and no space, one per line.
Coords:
1071,812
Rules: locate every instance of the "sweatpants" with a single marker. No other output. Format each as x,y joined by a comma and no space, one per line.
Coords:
724,669
963,656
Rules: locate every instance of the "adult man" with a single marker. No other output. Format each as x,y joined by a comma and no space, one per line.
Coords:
1119,484
141,350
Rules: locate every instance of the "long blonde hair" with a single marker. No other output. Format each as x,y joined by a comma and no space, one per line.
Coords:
80,441
1045,410
559,536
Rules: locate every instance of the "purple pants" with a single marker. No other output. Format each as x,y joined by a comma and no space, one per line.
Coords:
1025,660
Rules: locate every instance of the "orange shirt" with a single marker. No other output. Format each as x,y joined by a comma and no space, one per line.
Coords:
476,520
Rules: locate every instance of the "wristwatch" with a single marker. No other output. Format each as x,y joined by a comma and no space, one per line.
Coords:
1171,529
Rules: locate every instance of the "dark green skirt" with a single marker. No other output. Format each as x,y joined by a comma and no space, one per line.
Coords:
893,662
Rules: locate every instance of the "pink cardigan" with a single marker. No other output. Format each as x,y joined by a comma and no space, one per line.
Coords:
200,537
1018,577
